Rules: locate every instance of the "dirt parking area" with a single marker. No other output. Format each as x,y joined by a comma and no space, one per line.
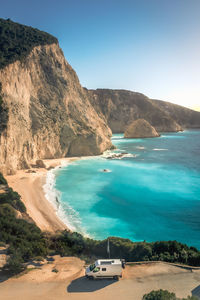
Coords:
69,282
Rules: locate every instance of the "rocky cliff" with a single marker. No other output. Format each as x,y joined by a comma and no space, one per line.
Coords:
44,111
186,117
120,108
140,129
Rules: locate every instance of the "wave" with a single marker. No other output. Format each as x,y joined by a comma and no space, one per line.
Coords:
159,149
114,155
54,196
140,147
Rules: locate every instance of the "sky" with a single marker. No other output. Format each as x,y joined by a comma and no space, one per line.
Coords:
148,46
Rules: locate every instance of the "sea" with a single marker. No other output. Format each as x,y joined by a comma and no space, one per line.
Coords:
146,189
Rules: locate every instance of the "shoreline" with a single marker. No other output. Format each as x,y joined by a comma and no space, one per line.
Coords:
30,186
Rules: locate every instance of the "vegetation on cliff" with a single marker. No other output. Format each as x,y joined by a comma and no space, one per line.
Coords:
69,243
17,41
26,241
3,112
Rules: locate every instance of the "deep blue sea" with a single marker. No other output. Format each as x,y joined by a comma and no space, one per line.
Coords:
152,193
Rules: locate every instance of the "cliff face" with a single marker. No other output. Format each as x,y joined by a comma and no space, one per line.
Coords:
120,108
186,117
140,129
49,114
45,113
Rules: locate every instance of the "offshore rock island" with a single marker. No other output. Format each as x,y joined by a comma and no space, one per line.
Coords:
140,129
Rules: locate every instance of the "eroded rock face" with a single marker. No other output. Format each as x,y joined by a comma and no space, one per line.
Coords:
186,117
120,108
140,129
49,114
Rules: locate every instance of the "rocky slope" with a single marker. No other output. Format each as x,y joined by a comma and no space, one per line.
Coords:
140,129
186,117
120,108
48,113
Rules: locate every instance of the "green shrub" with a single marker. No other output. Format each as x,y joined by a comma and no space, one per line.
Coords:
14,265
164,295
39,258
2,180
55,270
2,244
12,198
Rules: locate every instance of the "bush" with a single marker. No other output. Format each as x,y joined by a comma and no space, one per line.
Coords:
39,258
14,265
55,270
2,244
12,198
2,180
164,295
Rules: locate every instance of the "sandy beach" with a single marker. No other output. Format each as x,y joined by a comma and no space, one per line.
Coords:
30,187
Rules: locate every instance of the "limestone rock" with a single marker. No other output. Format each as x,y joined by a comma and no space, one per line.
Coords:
187,118
40,163
49,113
119,108
140,129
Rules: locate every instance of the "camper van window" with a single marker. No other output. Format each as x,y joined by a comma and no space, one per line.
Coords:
92,267
97,269
103,269
106,262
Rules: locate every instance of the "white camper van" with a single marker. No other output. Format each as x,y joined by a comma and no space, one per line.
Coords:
105,268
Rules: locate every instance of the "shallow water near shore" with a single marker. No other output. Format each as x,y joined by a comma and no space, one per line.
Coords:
152,193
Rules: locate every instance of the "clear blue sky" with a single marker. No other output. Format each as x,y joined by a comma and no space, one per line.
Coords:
149,46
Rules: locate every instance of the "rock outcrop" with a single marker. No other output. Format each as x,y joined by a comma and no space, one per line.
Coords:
120,108
140,129
49,113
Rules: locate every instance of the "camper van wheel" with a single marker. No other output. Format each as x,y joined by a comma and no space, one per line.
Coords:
116,277
91,277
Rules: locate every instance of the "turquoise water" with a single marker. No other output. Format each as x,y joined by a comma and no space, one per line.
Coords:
152,195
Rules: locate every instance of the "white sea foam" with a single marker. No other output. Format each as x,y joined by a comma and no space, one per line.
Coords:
140,147
107,153
129,155
117,155
53,196
157,149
